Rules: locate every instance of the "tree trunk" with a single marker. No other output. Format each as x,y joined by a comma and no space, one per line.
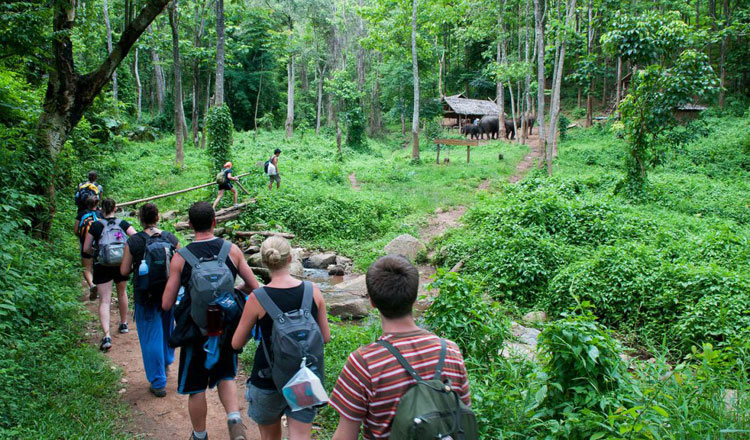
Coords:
69,94
137,85
539,31
376,120
441,68
723,54
618,80
319,106
206,106
199,26
289,125
159,81
105,12
257,99
415,68
527,82
555,100
219,99
500,88
604,84
589,49
179,113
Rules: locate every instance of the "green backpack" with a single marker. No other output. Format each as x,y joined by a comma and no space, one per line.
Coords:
431,409
221,177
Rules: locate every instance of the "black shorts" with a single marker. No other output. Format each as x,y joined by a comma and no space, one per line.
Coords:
84,255
226,186
105,274
193,377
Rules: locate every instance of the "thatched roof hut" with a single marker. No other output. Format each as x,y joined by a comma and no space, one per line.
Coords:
459,110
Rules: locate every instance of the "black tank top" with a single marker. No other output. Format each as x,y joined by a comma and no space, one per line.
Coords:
287,300
206,250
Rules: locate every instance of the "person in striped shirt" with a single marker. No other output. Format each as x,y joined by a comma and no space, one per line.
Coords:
372,381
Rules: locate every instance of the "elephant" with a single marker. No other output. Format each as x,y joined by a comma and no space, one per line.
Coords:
530,120
490,125
471,130
510,129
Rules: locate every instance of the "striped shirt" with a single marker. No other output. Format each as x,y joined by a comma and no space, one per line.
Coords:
372,382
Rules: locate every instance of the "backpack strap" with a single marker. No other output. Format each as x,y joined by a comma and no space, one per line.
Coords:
307,297
274,312
189,257
404,363
226,246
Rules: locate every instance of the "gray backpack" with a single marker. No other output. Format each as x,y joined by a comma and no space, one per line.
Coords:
111,243
295,335
208,281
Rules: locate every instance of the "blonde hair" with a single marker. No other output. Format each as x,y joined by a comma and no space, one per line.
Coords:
275,252
228,165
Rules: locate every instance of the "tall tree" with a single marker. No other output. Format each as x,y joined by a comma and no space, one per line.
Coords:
70,93
179,113
108,26
415,68
159,80
554,112
219,93
539,30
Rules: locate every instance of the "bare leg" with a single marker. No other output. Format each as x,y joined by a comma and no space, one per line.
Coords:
228,395
234,191
122,300
197,409
218,198
105,296
270,184
88,271
270,432
299,430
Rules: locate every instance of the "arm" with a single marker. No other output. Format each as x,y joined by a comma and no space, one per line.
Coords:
322,315
130,231
250,315
88,244
173,283
75,228
231,177
347,429
243,270
127,261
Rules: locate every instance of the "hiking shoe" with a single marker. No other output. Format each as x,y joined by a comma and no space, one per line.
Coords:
124,327
236,430
106,344
93,293
158,392
193,437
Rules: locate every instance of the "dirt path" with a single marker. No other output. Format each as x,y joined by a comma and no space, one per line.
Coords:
353,181
529,160
160,418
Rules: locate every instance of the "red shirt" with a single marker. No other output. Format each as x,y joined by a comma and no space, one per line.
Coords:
372,382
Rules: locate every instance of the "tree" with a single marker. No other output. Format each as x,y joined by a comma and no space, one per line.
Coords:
70,93
415,67
108,26
219,96
180,127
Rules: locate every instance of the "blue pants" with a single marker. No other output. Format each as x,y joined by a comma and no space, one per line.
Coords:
154,328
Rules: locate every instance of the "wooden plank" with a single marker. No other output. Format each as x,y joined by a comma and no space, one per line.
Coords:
461,142
248,234
173,193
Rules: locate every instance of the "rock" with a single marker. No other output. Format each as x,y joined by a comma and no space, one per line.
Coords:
514,349
320,261
356,286
254,260
347,305
296,269
252,250
343,261
405,245
263,274
335,270
537,316
169,215
219,231
256,240
525,335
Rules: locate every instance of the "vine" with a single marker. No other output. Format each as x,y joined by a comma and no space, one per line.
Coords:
219,127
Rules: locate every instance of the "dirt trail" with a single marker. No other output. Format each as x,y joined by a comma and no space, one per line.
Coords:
529,160
353,181
167,417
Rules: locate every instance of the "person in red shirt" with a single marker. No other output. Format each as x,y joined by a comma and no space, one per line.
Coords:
372,381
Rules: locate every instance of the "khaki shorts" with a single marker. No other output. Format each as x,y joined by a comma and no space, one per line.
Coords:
274,178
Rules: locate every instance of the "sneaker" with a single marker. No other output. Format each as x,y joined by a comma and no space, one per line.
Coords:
106,344
236,430
193,437
124,327
93,293
158,392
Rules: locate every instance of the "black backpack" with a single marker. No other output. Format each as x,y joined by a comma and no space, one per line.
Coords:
84,191
157,253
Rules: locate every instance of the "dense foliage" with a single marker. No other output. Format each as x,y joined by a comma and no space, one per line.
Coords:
219,127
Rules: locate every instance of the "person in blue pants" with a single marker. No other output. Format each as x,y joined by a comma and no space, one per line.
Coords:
148,254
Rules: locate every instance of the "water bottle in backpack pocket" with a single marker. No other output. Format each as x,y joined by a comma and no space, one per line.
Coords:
111,243
153,270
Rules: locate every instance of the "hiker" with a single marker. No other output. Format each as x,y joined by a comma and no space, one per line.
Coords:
272,169
373,381
84,219
88,189
215,264
284,294
148,254
108,235
224,180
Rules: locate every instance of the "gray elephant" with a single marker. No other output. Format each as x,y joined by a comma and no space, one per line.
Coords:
510,129
490,125
530,120
472,130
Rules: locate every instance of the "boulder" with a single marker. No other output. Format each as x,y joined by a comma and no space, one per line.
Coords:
295,268
320,261
537,316
356,286
405,245
252,250
336,270
343,261
347,304
169,215
525,335
254,260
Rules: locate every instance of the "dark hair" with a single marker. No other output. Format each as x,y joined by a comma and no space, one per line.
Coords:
201,215
392,283
148,214
108,206
93,175
90,202
277,151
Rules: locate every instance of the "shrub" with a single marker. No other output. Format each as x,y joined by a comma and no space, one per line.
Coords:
219,127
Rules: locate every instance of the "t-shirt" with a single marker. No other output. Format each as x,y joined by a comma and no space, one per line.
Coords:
273,166
286,300
98,227
137,246
372,381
